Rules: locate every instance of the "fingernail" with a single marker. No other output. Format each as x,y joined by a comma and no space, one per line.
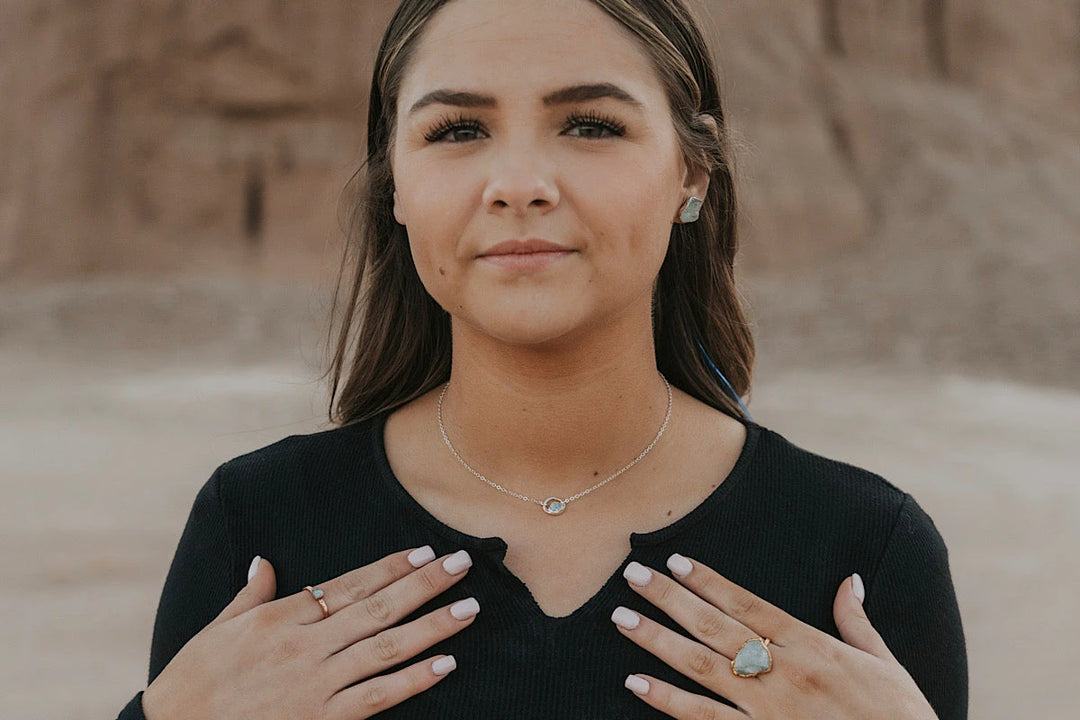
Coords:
857,587
637,574
637,685
465,609
421,556
457,563
444,665
679,566
253,567
625,618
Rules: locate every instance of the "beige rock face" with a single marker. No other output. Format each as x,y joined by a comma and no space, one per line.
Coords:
179,136
909,168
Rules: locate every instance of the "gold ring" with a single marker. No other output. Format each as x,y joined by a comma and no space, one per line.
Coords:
318,594
753,658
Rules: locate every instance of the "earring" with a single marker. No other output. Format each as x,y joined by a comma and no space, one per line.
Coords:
690,210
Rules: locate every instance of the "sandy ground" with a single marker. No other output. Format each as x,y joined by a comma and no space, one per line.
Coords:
108,429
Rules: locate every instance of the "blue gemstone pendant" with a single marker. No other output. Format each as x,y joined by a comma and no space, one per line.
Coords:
554,506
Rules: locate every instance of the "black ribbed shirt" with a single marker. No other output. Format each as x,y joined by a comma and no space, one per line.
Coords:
786,524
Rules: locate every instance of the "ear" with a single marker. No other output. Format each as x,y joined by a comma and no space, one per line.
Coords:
696,178
399,212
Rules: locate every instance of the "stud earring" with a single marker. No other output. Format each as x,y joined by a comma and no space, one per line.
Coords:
690,210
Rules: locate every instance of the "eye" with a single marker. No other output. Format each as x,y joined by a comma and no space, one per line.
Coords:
593,126
460,129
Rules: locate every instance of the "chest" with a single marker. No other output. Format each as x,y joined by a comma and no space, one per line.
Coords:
562,566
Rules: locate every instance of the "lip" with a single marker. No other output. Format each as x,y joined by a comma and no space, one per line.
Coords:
522,256
528,246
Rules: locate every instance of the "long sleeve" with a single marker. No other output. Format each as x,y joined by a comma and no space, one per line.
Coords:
198,585
911,601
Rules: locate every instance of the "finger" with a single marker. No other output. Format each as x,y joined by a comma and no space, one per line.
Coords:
261,587
385,691
708,624
855,628
701,664
397,644
678,703
760,616
358,584
386,607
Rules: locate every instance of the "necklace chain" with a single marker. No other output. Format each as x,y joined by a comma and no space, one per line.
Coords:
554,505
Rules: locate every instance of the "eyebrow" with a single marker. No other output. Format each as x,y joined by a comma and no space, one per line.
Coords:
563,96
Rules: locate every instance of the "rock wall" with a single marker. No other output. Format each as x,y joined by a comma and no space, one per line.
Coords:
178,135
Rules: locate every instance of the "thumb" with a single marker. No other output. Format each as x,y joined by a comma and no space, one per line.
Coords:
261,588
855,628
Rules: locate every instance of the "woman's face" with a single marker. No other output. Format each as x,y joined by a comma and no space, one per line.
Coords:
537,169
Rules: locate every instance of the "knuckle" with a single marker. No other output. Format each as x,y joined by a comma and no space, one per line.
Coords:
287,649
832,652
263,618
386,647
427,582
804,681
355,587
707,584
709,625
374,696
666,592
702,662
745,604
378,607
703,711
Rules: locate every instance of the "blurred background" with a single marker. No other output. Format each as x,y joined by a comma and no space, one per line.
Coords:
170,195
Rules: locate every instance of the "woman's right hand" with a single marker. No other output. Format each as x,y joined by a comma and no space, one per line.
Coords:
269,658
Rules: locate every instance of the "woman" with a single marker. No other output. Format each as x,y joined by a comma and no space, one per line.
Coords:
540,478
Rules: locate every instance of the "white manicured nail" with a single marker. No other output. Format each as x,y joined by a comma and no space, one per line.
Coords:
253,567
637,685
444,665
625,618
637,574
465,609
857,587
679,566
421,556
457,563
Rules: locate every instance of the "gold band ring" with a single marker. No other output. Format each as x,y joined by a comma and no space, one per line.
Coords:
318,594
753,658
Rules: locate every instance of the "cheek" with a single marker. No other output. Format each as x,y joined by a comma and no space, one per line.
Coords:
432,261
435,220
635,215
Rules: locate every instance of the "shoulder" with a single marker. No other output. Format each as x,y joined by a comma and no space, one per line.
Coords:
821,498
816,478
297,461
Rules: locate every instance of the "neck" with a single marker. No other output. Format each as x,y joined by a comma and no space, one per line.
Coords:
553,419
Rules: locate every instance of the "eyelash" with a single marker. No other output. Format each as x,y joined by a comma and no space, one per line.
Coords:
447,125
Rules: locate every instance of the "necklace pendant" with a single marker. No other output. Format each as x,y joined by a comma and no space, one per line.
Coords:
554,506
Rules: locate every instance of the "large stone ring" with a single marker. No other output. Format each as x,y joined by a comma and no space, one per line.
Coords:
318,594
753,658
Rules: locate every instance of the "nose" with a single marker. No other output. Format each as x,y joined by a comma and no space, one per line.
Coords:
521,181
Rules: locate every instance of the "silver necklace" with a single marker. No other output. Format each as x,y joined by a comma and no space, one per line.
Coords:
554,505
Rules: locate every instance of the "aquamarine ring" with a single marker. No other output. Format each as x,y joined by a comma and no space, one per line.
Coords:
318,594
753,658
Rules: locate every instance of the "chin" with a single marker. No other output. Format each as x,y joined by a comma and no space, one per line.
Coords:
536,330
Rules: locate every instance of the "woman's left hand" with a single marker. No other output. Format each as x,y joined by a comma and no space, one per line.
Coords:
812,675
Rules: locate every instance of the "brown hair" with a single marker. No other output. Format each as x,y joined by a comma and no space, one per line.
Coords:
393,342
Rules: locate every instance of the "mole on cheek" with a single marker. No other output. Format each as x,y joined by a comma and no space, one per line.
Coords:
442,271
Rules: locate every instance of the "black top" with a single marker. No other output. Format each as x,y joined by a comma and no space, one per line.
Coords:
787,525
